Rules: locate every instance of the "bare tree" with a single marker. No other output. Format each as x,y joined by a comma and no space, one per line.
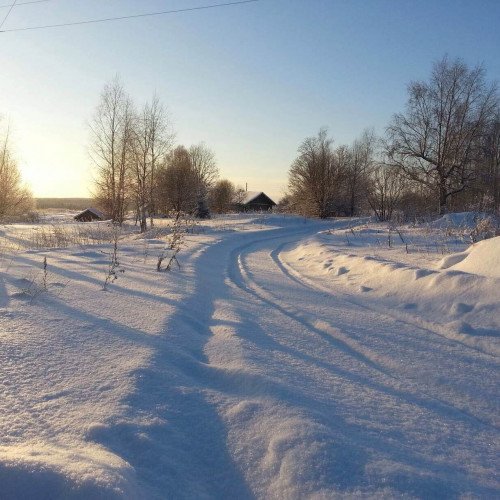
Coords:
492,161
111,149
222,196
204,164
436,140
205,169
14,197
152,141
386,191
313,178
177,183
162,139
360,164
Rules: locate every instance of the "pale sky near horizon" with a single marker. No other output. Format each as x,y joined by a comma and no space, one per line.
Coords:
251,81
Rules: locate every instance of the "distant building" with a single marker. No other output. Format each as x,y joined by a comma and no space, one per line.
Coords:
90,215
254,201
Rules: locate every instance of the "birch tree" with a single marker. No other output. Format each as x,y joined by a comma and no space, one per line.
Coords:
361,162
436,140
152,141
177,182
222,196
112,134
313,178
206,173
14,197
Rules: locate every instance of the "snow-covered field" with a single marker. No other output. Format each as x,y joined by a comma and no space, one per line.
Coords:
287,358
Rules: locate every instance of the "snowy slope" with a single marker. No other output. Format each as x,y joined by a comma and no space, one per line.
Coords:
272,365
457,296
482,258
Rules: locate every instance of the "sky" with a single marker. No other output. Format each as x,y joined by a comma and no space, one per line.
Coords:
250,81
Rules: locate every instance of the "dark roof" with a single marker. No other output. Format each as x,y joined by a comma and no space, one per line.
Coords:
97,213
253,195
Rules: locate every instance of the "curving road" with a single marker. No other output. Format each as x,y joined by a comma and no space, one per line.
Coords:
332,397
268,385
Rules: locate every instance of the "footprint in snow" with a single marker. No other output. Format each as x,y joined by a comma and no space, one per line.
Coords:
57,285
20,295
409,305
421,273
459,308
341,270
462,327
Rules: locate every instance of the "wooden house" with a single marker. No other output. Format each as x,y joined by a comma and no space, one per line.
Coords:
254,201
90,215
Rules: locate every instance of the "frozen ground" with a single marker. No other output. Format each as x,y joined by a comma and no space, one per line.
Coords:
286,359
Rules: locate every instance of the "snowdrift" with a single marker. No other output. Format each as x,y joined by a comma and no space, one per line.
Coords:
458,297
458,220
45,471
482,258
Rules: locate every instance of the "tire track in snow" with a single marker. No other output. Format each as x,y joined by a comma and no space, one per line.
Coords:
324,330
412,321
321,329
408,319
265,286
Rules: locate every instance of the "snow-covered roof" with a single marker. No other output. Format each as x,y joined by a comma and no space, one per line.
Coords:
94,211
252,195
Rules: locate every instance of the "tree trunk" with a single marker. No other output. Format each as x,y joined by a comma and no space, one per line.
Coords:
496,189
443,196
352,208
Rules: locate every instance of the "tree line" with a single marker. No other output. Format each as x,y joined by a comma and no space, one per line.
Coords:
138,167
442,153
15,198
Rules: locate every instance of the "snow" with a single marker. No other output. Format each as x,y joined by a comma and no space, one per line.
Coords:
482,258
287,358
43,471
457,296
250,196
458,220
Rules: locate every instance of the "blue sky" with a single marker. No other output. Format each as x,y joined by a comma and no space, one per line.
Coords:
251,81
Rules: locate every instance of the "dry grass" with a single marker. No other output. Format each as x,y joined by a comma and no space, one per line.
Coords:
62,236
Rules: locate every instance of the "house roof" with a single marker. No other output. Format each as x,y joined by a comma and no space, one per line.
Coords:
252,195
94,211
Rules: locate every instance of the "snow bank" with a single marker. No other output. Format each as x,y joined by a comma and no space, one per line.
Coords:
482,258
458,297
460,219
45,471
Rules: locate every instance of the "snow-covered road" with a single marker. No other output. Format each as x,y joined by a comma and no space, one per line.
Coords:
333,397
265,383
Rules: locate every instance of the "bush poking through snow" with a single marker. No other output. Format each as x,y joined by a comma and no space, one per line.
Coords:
38,283
114,268
145,250
181,224
484,229
45,274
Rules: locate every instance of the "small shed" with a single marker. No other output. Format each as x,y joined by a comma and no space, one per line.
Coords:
90,215
255,201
